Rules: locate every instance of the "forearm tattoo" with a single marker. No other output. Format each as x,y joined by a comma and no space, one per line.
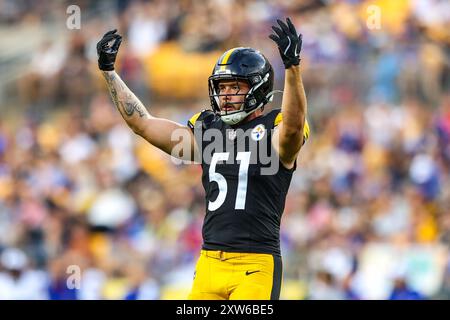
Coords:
129,103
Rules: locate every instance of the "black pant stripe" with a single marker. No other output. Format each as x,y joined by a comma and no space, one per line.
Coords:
277,276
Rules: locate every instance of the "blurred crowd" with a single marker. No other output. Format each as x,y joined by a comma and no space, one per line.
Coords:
88,210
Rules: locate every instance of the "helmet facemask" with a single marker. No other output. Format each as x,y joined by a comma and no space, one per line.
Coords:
251,98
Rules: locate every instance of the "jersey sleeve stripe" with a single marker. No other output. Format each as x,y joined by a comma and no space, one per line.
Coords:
193,119
305,131
279,118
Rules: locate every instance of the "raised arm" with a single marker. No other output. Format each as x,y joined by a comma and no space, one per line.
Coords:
162,133
291,132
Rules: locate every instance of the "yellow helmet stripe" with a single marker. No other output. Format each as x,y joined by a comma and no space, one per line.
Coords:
226,56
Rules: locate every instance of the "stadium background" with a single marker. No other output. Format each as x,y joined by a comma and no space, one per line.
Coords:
368,212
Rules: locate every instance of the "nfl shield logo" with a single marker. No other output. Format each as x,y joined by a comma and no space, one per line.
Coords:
231,134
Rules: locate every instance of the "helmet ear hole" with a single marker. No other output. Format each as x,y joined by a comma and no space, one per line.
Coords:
255,79
252,102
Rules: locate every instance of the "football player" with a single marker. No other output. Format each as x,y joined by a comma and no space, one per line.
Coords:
240,257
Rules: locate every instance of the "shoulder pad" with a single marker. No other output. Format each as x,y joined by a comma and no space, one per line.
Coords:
207,116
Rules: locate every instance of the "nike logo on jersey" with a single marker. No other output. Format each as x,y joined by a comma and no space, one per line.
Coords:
250,272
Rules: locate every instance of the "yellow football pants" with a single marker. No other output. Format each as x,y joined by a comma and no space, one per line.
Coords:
223,275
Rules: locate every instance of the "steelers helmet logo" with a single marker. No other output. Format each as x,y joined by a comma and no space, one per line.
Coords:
258,132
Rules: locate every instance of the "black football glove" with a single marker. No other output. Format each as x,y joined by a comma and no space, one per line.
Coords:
107,49
289,43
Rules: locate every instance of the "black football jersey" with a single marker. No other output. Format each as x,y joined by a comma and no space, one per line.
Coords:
245,189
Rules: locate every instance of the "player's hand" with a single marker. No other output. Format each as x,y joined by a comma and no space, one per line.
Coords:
107,49
288,41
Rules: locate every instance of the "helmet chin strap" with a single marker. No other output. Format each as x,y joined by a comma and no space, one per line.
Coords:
236,117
